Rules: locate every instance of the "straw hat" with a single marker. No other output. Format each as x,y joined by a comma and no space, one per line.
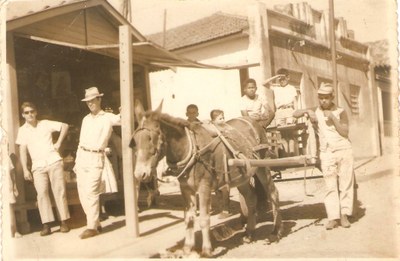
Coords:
92,93
325,88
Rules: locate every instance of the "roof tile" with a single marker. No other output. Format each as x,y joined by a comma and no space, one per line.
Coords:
200,31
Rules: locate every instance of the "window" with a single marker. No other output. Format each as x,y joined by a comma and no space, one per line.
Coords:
355,100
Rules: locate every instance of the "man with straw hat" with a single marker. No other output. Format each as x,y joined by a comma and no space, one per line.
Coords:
336,156
95,133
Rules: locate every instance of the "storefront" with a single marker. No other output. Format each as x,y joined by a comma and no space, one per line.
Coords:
53,54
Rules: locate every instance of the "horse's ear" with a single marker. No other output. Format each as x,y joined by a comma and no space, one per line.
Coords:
139,110
159,108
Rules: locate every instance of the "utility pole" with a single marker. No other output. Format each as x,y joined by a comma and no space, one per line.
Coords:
333,47
165,28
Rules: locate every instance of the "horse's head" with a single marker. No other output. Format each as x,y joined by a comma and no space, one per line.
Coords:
147,140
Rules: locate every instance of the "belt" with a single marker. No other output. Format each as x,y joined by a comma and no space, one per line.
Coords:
89,150
286,106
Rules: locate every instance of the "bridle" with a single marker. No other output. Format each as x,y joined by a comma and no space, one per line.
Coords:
157,155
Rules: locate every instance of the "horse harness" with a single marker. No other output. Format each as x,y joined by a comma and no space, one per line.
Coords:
195,155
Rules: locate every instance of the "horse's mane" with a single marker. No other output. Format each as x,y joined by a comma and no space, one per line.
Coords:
174,120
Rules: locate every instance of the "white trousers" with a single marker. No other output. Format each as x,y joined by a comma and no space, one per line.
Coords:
53,174
338,172
89,180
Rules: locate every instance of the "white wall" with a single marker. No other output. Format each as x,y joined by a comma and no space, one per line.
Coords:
208,89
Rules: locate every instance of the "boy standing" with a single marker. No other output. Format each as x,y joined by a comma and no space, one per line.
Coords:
35,138
285,97
336,156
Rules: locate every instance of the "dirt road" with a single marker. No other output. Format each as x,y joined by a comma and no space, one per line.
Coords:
374,231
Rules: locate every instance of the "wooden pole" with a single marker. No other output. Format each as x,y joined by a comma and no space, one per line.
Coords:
165,28
282,162
126,83
333,47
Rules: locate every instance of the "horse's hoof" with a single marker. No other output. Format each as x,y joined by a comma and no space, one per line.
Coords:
207,253
272,239
186,250
248,239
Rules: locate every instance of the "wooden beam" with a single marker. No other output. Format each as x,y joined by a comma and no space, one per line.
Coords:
46,14
281,162
12,124
260,46
127,120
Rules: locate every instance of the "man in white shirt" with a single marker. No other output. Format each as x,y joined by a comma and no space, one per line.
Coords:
95,133
336,156
285,96
35,138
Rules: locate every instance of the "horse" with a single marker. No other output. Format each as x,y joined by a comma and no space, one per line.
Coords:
199,158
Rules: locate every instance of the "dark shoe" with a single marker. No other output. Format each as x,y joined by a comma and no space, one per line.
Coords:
331,224
344,222
99,228
45,230
89,233
64,227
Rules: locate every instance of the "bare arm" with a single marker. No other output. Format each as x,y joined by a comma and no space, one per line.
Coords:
23,152
341,123
244,113
307,113
61,137
273,78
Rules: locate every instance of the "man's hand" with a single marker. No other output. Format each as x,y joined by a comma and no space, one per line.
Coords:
28,175
56,146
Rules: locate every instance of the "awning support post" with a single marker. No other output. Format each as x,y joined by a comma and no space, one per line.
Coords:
127,121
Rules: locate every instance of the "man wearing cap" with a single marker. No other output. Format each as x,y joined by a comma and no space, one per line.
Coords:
336,156
95,133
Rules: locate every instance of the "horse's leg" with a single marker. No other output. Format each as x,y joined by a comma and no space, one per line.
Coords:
190,214
204,209
248,203
264,176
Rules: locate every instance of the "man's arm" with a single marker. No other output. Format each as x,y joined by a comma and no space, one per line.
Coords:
267,81
244,113
341,123
61,137
23,152
305,112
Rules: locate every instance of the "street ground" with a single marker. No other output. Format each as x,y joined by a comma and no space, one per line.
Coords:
374,233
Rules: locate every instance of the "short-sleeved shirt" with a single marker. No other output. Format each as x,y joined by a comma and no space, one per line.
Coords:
284,95
254,107
39,142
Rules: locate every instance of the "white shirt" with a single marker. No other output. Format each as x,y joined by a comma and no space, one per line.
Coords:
254,107
329,137
39,142
96,130
284,95
95,134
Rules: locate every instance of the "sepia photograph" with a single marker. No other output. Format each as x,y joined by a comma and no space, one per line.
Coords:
169,129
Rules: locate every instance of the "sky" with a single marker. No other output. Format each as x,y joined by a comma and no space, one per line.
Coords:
370,19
